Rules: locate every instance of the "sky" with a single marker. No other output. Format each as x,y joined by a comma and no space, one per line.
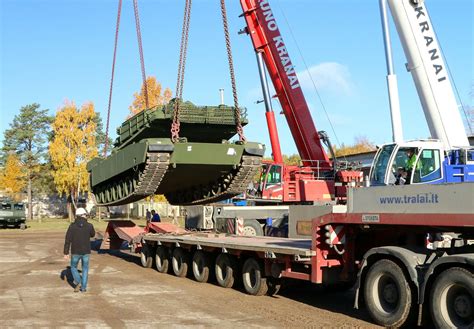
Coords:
57,50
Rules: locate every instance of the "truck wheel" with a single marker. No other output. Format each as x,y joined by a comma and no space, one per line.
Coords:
162,259
387,294
452,299
180,262
200,266
226,270
252,276
252,228
146,256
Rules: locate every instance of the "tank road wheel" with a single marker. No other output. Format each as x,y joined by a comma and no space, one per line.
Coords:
387,294
146,257
200,265
226,270
119,188
108,196
162,259
126,187
452,299
180,262
253,278
113,191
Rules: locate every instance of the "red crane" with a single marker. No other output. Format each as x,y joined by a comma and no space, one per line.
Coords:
317,180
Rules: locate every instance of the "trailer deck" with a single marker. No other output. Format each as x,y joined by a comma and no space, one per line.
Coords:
269,245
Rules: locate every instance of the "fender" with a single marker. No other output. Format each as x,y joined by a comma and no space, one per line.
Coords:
410,259
459,259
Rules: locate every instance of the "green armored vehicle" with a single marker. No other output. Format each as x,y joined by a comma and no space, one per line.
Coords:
12,214
202,167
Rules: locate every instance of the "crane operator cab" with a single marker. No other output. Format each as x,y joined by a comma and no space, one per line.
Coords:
421,162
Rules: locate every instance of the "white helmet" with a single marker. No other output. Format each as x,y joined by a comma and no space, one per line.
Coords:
81,212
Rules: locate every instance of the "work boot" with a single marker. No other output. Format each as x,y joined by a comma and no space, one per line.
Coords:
77,288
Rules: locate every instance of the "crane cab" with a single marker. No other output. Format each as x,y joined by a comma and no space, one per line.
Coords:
421,162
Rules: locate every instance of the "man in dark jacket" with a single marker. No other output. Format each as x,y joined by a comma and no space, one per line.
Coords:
78,241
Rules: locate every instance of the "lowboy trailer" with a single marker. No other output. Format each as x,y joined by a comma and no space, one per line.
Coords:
409,251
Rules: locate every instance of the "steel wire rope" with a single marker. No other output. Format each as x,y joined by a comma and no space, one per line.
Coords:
175,126
140,50
117,26
310,76
237,114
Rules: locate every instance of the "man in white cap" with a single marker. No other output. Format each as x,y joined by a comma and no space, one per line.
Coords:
78,241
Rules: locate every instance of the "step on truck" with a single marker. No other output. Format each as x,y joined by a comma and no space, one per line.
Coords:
407,250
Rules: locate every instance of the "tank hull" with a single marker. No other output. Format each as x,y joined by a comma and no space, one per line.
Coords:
185,172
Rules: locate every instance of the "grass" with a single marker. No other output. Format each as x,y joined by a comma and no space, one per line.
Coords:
61,224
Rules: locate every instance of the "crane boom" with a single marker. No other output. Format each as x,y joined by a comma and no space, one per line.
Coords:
429,71
267,40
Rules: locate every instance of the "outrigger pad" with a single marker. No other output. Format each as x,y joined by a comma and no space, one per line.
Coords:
145,162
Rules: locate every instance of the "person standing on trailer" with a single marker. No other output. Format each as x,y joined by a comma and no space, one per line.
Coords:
77,241
155,217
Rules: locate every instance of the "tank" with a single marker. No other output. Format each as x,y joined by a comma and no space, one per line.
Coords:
203,166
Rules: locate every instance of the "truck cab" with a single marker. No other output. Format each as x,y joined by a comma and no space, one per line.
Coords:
421,162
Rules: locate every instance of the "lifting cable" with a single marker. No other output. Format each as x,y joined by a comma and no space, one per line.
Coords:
140,50
142,64
112,78
181,69
238,123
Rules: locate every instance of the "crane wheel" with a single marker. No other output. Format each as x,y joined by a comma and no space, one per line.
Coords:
226,270
146,256
452,299
201,265
180,262
162,259
387,294
253,278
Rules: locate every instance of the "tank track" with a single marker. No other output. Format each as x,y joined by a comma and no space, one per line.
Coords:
226,187
140,185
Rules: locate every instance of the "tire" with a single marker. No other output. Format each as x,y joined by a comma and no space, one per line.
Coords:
452,299
200,266
253,278
252,228
162,259
180,262
226,270
387,294
146,257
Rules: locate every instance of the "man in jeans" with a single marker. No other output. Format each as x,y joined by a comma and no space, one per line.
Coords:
78,240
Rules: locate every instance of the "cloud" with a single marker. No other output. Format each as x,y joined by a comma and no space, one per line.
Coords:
328,76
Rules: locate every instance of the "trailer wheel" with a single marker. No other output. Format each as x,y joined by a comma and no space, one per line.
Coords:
252,276
180,262
226,270
146,256
201,266
387,294
452,299
162,259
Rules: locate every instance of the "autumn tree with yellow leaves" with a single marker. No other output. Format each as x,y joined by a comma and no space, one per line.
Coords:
361,145
155,96
72,146
13,177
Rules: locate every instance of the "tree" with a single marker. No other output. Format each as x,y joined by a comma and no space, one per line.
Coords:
155,98
100,134
13,177
27,137
361,145
72,146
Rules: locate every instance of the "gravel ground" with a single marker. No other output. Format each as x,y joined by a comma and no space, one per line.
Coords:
121,293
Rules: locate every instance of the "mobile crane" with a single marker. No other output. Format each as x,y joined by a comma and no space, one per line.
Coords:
319,180
447,158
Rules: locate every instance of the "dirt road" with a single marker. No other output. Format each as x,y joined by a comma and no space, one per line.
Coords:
121,293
